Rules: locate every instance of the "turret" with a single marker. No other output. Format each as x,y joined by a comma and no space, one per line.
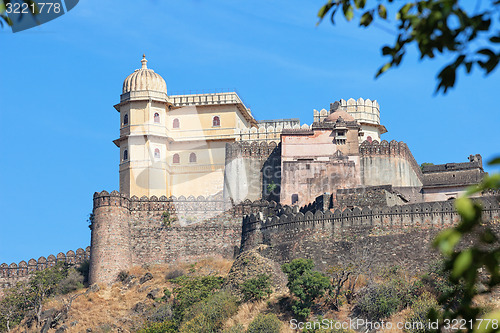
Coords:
143,108
110,240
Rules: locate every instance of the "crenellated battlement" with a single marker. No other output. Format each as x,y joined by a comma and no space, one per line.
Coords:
260,228
246,149
363,110
266,134
10,274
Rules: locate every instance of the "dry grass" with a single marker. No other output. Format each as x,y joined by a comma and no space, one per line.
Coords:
111,306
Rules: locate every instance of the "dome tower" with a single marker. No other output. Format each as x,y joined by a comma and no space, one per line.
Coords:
143,108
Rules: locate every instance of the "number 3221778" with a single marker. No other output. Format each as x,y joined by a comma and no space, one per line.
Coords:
32,8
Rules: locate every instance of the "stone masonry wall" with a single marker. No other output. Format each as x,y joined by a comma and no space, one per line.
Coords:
131,231
13,273
384,236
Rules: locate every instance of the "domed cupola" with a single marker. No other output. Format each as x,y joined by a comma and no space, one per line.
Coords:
144,79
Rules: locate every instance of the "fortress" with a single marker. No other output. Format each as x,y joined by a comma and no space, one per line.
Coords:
200,177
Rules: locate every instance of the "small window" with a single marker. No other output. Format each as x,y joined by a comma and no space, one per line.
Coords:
369,139
125,120
295,199
157,118
125,155
176,159
192,158
157,153
216,121
176,124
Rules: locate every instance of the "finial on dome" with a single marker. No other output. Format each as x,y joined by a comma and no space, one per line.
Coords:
144,61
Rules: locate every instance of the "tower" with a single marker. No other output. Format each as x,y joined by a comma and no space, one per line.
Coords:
143,135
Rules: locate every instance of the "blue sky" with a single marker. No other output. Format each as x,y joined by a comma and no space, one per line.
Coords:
60,82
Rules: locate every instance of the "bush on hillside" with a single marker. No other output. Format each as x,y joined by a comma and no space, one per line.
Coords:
256,288
419,311
191,290
73,281
209,314
305,284
268,323
164,327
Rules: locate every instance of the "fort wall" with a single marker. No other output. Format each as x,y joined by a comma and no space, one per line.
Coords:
13,273
385,236
132,231
389,163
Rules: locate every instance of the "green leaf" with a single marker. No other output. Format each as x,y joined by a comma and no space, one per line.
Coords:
383,69
462,263
366,19
382,11
465,208
349,14
494,161
323,10
446,241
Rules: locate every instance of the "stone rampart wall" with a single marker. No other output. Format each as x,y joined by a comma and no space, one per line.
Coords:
389,163
389,235
128,232
10,274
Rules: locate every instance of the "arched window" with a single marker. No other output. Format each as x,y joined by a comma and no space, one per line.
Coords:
125,120
192,158
216,121
295,199
176,159
157,153
176,124
157,118
125,155
369,139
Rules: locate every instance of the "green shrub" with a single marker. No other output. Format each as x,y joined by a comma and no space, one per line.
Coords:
381,301
174,274
84,269
191,290
209,314
73,281
265,324
418,314
164,327
256,288
437,282
304,284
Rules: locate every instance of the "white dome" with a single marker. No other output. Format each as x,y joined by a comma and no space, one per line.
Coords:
144,79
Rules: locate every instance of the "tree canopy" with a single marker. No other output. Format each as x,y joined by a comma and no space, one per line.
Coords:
435,26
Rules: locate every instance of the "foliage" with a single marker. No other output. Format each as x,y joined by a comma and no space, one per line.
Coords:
380,301
163,327
191,290
463,265
437,282
161,313
73,281
305,284
13,306
43,284
271,187
425,164
256,288
339,276
167,219
84,269
418,313
90,220
435,27
268,323
209,314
